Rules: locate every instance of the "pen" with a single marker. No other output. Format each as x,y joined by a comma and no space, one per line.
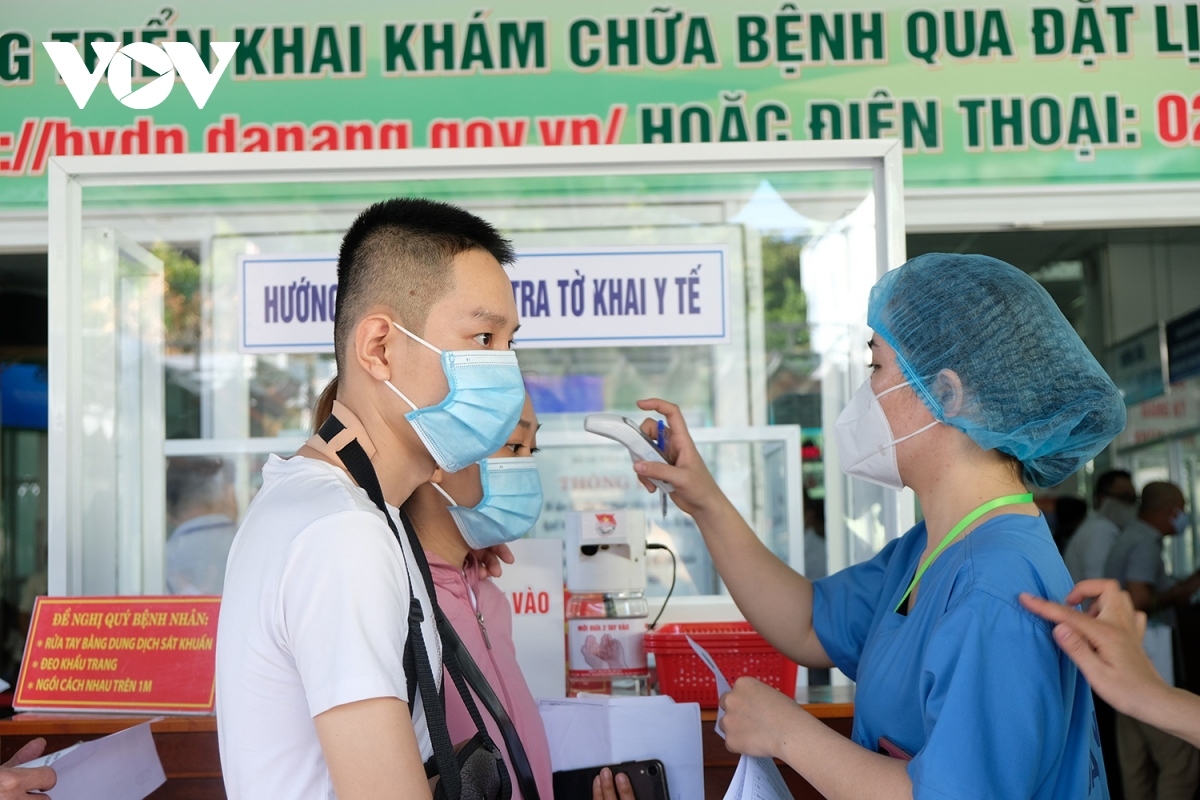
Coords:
661,444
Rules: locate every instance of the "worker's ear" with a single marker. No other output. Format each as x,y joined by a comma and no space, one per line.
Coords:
947,390
438,476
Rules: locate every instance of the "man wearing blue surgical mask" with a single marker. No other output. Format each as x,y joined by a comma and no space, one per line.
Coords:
1154,764
315,693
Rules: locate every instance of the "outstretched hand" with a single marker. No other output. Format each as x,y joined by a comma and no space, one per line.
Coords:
695,489
1106,642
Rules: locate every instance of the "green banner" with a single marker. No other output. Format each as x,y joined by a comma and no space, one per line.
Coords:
1058,92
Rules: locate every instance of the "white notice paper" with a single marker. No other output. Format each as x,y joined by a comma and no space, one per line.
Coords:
533,587
123,766
755,778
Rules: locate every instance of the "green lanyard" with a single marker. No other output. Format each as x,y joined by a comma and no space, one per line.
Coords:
1009,500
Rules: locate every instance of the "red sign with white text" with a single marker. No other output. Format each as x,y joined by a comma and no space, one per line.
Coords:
128,654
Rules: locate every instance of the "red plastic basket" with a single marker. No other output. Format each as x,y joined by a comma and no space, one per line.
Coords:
735,646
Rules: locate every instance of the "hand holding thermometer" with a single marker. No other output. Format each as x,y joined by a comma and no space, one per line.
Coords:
641,447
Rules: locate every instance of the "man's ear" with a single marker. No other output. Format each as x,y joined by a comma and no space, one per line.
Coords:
376,345
947,389
438,476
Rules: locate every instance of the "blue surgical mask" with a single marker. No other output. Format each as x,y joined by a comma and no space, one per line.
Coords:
480,411
511,504
1180,521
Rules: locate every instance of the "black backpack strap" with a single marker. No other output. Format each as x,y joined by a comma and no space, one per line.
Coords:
453,647
358,464
467,676
453,653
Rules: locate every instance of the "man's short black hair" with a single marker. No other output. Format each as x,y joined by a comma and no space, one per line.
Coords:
1105,481
398,252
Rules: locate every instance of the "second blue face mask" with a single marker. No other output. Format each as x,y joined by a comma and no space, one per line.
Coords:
511,504
480,410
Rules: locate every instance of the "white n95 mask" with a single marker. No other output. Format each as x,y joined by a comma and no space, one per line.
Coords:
864,438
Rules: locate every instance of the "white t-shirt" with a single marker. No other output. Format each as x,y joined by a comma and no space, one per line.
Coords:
315,615
1088,548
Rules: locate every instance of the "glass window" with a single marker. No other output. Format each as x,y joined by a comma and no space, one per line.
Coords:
802,252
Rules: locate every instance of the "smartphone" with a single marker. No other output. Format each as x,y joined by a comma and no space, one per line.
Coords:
648,778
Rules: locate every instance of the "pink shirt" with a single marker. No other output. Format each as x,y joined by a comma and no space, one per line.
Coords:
479,612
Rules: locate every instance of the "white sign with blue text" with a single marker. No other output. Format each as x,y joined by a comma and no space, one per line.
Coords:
622,296
287,303
589,297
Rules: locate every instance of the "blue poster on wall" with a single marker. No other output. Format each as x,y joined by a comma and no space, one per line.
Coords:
1183,346
23,396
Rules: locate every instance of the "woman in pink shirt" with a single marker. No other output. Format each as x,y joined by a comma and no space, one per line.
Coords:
458,506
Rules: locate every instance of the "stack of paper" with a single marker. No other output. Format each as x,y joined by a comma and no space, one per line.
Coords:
595,730
755,778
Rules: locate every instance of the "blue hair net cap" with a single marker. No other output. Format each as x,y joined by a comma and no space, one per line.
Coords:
1026,383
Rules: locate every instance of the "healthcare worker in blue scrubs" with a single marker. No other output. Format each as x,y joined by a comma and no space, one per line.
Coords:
979,389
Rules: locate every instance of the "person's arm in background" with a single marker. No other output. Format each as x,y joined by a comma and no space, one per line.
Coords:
1145,599
1106,643
18,783
1142,571
777,600
385,764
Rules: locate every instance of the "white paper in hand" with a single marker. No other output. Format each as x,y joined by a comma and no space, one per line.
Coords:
123,766
722,684
755,778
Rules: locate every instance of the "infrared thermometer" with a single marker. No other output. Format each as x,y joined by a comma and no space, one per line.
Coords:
625,431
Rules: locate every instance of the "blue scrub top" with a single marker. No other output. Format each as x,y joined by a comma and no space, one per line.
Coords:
970,683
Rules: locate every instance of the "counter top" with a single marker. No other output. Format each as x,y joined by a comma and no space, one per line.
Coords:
50,724
191,758
823,702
